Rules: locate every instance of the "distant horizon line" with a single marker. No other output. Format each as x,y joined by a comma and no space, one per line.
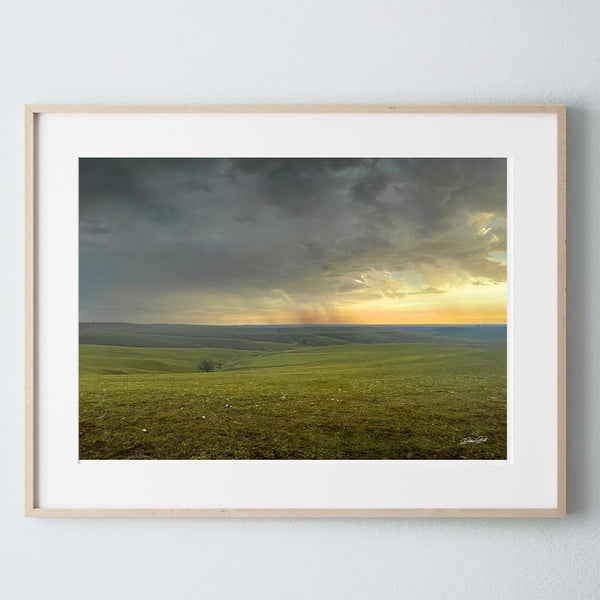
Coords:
300,324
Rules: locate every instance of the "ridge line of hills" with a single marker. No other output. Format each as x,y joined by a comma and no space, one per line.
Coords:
281,337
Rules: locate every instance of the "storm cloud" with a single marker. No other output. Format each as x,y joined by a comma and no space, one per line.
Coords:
211,240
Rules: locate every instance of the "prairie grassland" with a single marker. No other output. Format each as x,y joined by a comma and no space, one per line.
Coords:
350,401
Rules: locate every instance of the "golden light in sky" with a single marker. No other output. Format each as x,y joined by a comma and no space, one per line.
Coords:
294,241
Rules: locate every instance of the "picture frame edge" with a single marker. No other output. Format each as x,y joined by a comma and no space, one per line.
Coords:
31,110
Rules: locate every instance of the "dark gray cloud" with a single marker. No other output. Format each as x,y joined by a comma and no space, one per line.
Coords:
192,237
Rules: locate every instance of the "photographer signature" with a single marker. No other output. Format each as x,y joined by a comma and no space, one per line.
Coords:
478,440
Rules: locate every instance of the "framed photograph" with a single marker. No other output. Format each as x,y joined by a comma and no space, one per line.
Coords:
295,310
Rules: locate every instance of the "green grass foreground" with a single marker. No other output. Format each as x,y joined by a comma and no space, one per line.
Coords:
407,400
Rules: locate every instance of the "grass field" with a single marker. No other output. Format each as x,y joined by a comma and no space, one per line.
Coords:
293,393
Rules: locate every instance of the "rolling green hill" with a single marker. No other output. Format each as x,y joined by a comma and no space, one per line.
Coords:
345,401
121,360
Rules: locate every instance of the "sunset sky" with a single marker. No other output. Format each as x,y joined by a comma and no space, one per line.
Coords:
293,240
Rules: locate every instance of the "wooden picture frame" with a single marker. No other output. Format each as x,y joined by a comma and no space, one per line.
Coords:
34,393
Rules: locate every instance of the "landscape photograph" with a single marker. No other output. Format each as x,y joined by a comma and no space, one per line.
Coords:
292,308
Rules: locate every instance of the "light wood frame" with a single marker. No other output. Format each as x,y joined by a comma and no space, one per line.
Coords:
31,110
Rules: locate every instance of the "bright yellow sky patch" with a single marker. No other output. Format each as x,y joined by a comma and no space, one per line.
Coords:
465,303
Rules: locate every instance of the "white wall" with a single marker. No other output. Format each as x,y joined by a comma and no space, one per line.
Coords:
308,51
